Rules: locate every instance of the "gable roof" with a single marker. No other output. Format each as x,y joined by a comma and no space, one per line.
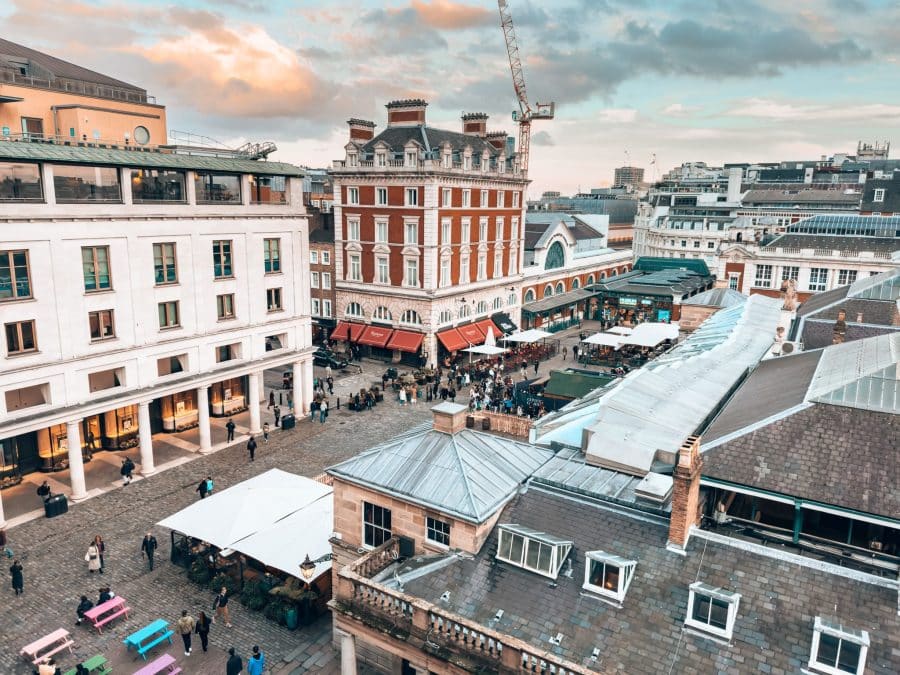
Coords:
468,474
430,138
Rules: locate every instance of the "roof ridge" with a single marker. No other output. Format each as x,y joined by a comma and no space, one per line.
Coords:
465,477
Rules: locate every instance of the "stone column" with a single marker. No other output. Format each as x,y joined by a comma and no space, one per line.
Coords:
76,463
253,402
203,411
348,654
301,406
2,517
147,466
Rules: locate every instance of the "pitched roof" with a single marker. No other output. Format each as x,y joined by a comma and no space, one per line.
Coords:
717,297
430,138
468,474
840,242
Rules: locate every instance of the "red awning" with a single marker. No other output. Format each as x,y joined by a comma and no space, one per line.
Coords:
356,330
342,332
406,341
452,340
486,324
471,334
375,336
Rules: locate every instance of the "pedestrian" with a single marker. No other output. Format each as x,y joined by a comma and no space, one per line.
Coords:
83,605
101,548
328,372
413,392
148,548
49,667
220,604
277,412
234,666
313,409
256,663
251,447
271,399
323,411
202,488
92,558
230,427
209,485
402,396
266,432
330,382
565,352
535,364
575,352
186,629
202,630
18,579
126,470
43,491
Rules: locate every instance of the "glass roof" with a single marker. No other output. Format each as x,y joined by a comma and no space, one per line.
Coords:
843,367
868,226
885,286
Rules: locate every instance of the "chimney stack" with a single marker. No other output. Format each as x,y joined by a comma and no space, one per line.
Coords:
685,494
361,130
449,418
497,139
406,113
475,124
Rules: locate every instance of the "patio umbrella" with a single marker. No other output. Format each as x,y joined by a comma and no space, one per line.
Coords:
530,335
604,339
620,330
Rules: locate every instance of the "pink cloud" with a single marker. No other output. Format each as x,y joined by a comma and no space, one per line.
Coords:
449,15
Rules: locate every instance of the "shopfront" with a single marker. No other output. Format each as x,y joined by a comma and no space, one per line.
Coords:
179,411
633,309
228,397
18,456
557,312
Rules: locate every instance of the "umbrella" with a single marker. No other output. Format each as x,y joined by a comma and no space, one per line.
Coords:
531,335
605,339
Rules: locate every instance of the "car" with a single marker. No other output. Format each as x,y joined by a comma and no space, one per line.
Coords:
323,357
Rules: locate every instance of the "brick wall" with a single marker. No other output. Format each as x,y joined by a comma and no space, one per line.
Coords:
686,493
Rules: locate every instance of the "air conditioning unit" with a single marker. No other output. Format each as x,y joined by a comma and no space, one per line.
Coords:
788,348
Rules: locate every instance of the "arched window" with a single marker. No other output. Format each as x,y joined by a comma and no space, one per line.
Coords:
353,309
464,311
602,276
446,316
556,257
498,303
560,288
575,283
591,279
529,295
382,313
511,299
411,316
548,291
481,308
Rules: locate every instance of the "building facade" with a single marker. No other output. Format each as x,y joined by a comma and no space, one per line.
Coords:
323,296
630,176
428,232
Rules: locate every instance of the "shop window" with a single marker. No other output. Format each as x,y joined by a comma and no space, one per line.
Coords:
170,365
376,524
106,379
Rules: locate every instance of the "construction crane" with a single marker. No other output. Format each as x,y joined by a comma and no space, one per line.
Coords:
525,114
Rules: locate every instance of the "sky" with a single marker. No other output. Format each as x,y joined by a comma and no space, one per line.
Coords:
681,80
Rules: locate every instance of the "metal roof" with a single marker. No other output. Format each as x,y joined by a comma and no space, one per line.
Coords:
75,154
884,286
717,297
553,301
468,474
855,225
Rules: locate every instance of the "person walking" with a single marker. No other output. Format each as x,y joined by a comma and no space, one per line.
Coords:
565,352
234,666
230,428
83,605
126,470
148,548
251,446
101,547
92,558
271,399
202,488
202,629
220,604
330,382
256,663
323,411
402,396
313,409
186,629
535,364
277,412
18,579
266,432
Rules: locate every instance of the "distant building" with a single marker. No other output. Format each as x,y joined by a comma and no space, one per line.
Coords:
323,297
630,176
619,204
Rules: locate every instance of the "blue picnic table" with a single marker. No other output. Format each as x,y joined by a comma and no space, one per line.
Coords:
149,636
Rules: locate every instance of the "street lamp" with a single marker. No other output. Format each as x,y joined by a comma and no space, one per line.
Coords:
308,567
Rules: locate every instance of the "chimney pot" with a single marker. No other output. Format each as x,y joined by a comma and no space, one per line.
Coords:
361,130
408,112
685,493
475,124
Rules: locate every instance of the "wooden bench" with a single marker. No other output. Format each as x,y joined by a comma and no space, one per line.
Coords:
96,664
149,636
105,612
47,646
164,664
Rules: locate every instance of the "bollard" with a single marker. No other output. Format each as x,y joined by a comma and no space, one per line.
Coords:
338,402
280,399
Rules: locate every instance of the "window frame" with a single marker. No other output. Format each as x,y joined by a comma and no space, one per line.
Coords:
13,279
411,196
353,229
353,195
326,308
326,280
274,300
382,231
315,307
162,265
219,249
272,263
438,527
763,276
382,264
96,274
878,196
446,197
326,257
821,279
714,594
466,198
408,265
379,193
557,554
314,257
385,531
847,276
624,577
822,626
354,267
410,228
223,313
176,305
313,279
112,325
18,326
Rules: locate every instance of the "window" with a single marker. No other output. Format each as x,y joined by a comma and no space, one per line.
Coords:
556,256
513,227
411,157
576,283
464,268
101,325
376,524
683,243
466,198
846,277
381,196
20,182
818,278
445,272
733,280
608,574
313,279
446,197
481,273
217,188
532,550
228,352
354,309
106,379
483,202
95,265
411,316
15,279
27,397
445,231
275,342
20,337
81,184
548,290
380,159
316,307
712,610
560,288
355,269
314,257
352,195
710,244
763,276
381,231
411,233
352,229
152,185
437,531
273,299
879,195
225,306
590,279
466,230
412,196
268,190
272,255
412,272
511,300
838,649
515,199
790,272
382,271
498,264
482,229
326,280
446,316
168,314
326,308
696,243
501,199
165,267
169,365
464,311
382,314
222,261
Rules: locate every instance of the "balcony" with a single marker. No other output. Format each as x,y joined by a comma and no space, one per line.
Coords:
431,629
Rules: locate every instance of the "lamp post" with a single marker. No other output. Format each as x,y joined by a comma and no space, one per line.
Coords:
308,567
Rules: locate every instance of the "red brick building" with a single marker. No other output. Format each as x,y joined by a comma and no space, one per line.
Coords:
428,234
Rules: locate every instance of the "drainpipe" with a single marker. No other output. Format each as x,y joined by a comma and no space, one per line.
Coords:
55,121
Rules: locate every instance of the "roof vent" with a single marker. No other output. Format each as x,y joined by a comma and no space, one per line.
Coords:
498,615
445,596
556,640
595,654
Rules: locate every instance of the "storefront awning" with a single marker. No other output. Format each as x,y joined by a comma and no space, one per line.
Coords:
504,323
485,325
555,301
406,341
452,340
375,336
342,332
471,334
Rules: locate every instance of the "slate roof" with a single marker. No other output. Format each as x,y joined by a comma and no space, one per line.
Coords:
816,302
835,242
538,224
800,197
780,596
431,139
468,474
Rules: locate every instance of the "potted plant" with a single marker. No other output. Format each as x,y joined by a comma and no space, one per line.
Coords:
255,595
223,580
276,610
199,572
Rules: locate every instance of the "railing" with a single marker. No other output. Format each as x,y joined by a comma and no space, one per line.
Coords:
78,87
54,139
425,165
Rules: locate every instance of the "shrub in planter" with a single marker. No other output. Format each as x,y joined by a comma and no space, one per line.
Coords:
276,610
199,572
221,580
255,595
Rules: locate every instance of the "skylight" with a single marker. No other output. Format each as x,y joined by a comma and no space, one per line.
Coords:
532,550
608,574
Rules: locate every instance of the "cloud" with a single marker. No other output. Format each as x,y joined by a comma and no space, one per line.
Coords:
680,110
542,138
449,15
761,108
617,115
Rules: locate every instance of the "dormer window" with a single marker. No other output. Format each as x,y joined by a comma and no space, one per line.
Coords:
411,157
532,550
353,159
380,159
712,610
608,574
837,649
467,161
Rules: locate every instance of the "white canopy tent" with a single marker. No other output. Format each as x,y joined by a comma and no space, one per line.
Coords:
252,515
605,339
530,335
620,330
651,334
485,349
